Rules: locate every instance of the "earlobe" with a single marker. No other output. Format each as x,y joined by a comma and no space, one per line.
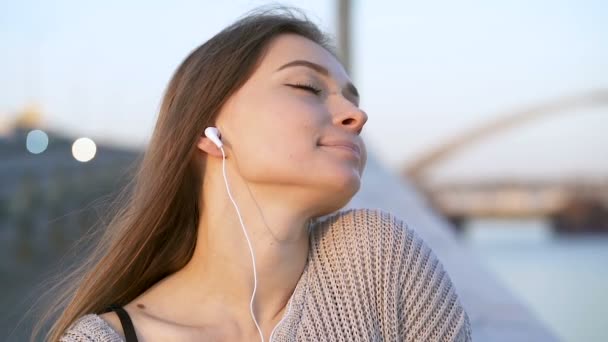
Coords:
207,146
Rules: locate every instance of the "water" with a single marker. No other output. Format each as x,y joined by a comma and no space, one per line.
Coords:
562,279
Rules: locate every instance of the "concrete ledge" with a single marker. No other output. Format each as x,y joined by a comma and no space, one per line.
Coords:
495,313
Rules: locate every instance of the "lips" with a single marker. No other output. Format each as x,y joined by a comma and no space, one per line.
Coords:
343,143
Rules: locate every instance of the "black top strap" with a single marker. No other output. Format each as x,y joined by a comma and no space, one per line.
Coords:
125,321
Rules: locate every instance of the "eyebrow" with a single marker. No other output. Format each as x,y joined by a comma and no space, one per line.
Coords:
320,69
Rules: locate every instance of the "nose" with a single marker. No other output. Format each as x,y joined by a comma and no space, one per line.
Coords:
353,119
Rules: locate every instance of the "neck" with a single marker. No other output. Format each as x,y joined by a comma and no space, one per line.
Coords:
221,270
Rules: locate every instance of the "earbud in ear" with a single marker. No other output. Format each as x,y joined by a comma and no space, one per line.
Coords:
214,134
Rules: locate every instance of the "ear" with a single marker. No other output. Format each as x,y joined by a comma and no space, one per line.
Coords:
207,146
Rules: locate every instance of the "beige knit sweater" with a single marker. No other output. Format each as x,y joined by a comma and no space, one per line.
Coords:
369,277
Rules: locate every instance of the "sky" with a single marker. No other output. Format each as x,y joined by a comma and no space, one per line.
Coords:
426,71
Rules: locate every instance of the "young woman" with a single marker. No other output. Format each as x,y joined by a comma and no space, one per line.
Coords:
235,233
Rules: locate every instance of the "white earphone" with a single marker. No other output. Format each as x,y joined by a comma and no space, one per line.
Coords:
214,135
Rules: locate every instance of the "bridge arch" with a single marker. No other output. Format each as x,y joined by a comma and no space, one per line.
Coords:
415,170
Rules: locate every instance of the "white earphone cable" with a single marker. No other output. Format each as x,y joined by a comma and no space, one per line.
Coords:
255,278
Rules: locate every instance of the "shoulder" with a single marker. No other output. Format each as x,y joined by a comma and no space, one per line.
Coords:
375,228
371,239
376,231
387,242
91,328
398,262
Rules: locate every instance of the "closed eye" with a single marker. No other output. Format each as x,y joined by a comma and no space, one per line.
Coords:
307,87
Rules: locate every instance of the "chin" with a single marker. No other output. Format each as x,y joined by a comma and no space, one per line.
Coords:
343,184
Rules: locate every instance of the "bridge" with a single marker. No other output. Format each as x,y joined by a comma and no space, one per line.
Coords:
415,170
571,205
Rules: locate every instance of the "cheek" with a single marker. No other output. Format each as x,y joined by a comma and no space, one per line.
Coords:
280,140
279,132
291,122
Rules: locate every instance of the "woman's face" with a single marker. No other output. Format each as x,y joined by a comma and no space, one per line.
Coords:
281,122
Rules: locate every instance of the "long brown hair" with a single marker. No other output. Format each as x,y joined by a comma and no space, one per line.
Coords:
153,234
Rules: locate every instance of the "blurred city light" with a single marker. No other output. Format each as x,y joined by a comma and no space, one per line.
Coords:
84,149
37,141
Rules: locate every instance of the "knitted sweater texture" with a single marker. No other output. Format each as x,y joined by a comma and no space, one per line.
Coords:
369,277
